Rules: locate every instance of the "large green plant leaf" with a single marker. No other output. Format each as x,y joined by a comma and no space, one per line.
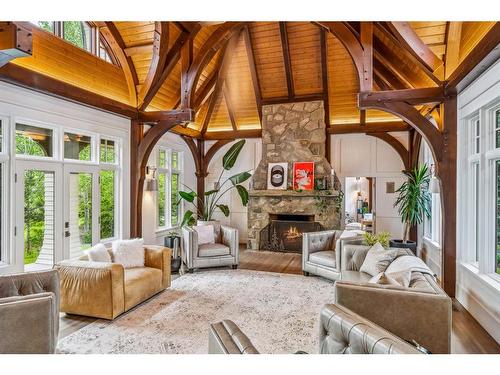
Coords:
188,219
231,155
243,194
239,178
188,196
210,192
224,208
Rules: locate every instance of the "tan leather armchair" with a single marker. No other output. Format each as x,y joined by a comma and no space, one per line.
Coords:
29,312
106,290
341,332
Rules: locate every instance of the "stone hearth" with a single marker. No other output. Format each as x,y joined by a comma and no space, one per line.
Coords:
291,133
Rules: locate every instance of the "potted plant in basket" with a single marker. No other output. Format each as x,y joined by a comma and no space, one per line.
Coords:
210,202
413,203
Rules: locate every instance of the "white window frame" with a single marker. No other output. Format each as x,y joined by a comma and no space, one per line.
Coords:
56,147
94,154
432,226
4,192
168,170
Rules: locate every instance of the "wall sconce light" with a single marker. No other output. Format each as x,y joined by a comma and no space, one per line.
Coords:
151,182
434,183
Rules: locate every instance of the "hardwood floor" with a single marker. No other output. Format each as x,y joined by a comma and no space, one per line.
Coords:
467,335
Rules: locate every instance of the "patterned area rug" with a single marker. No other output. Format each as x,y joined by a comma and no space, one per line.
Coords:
278,312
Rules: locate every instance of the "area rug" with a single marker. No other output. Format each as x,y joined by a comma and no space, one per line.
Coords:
279,313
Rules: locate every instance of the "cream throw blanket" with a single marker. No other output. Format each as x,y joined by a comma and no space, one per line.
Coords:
411,263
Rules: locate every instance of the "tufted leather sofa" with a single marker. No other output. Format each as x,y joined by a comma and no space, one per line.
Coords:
106,290
321,252
341,332
420,312
29,312
225,252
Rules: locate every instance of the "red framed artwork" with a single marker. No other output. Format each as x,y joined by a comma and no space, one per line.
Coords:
303,175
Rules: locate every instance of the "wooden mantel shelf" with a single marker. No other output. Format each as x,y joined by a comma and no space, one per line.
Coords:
293,193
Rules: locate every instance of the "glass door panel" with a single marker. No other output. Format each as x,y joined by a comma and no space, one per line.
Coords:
79,200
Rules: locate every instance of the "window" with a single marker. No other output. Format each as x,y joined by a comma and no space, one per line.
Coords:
108,151
169,177
3,200
476,139
82,34
77,147
497,129
432,226
108,177
34,141
497,216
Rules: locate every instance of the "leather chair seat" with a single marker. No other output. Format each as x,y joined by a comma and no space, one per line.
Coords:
213,250
323,258
355,276
140,284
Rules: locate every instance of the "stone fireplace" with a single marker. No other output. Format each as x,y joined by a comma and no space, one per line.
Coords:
291,133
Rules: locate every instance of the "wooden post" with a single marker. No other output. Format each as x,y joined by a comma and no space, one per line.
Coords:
201,173
136,176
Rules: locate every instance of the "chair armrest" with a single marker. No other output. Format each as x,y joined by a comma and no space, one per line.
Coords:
229,237
226,338
344,332
159,257
408,313
317,241
189,246
29,324
92,288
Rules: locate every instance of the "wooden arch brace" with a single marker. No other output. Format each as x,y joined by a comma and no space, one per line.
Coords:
142,143
202,161
396,145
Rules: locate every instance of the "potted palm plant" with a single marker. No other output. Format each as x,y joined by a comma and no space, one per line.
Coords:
211,201
413,203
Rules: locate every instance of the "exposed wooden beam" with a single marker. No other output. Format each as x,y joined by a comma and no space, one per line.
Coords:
113,38
484,54
386,58
362,117
366,38
231,134
324,83
386,78
158,63
221,78
410,96
296,99
229,105
286,59
396,145
190,27
35,81
176,116
253,70
16,41
414,45
369,127
386,29
216,41
452,56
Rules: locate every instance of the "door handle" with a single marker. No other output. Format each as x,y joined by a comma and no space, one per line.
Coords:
66,233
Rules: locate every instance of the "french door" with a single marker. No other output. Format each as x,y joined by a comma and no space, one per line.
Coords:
81,209
38,192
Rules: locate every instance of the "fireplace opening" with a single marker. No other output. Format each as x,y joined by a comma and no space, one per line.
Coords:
284,232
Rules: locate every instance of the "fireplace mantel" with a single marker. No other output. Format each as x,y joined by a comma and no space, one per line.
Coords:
293,193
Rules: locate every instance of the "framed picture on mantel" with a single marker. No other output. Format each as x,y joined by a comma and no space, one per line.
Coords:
277,176
303,175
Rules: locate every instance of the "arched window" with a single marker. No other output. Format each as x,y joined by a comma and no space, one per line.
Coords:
82,34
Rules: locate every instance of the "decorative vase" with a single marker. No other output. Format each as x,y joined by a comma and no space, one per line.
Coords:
412,245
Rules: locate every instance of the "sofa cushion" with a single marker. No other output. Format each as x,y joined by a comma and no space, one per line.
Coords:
206,234
355,276
401,278
377,259
140,284
324,258
98,253
213,250
128,253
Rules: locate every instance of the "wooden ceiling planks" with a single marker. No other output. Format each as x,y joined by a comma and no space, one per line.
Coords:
269,61
472,33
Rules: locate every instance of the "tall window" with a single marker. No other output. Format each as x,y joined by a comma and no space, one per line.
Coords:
82,34
475,191
108,177
432,226
170,174
497,194
3,179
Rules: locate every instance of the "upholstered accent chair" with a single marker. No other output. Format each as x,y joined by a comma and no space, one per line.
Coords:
224,252
341,332
106,290
29,313
321,252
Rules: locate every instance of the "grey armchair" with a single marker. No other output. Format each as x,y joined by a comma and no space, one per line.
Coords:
321,252
224,252
29,311
341,332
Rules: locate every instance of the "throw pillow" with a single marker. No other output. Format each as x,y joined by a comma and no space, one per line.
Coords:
377,260
206,234
395,278
98,253
129,253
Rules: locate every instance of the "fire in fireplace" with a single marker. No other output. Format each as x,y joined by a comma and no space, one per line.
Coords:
284,232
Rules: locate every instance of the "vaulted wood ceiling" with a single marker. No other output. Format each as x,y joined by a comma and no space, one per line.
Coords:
263,62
